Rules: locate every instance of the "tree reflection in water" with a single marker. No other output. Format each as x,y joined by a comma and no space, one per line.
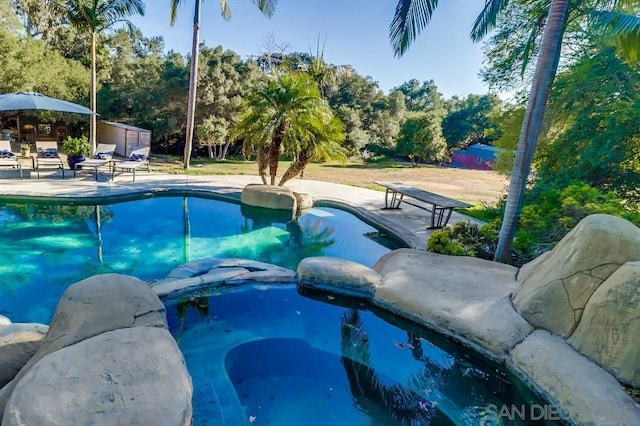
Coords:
386,404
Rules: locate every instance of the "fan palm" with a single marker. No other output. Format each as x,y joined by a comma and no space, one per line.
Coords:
93,17
288,110
267,7
412,16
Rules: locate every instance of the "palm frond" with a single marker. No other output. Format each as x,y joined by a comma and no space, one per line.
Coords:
624,28
486,20
410,18
225,10
267,7
174,9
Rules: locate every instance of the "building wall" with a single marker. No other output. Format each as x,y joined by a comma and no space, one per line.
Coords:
471,161
112,135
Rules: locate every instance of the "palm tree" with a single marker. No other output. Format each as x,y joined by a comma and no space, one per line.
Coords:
287,110
93,17
267,8
411,16
321,143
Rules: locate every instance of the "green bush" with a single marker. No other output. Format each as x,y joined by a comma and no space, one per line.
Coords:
547,217
465,239
76,147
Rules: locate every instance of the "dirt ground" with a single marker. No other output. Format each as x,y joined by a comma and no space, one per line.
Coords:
472,186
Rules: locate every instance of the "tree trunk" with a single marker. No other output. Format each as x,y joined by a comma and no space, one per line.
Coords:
274,149
210,151
296,167
193,85
263,162
93,127
225,150
545,72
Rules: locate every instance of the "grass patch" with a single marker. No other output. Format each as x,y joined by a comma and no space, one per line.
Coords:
478,212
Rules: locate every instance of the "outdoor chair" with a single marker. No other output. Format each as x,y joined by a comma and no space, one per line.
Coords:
101,157
138,157
48,156
8,158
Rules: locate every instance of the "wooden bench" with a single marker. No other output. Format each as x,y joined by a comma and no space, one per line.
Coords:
440,206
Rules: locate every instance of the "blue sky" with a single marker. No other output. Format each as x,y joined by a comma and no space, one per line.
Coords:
354,32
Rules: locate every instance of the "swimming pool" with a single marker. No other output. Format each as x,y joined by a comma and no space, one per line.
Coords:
271,355
46,246
260,353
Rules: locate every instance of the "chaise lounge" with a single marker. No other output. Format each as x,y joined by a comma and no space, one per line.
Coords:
138,158
47,155
8,158
101,157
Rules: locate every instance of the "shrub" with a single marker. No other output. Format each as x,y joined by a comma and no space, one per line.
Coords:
76,147
465,239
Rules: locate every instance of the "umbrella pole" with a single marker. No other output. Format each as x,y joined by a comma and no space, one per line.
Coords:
18,126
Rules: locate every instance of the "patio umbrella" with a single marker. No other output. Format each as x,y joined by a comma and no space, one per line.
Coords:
23,101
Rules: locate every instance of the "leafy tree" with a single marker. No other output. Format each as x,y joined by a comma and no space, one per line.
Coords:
267,7
366,112
29,65
421,138
212,132
93,17
412,16
285,110
598,132
420,96
470,121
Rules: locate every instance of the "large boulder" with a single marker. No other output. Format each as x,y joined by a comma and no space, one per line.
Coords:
609,332
337,276
122,377
91,308
269,196
579,390
18,343
463,297
554,289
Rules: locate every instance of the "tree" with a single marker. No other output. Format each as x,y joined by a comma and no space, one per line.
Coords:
470,121
267,7
421,138
411,16
93,17
285,110
420,96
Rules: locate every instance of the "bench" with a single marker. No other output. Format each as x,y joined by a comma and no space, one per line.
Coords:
440,206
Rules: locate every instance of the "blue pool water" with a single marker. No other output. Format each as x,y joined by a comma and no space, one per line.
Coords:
280,358
45,247
257,355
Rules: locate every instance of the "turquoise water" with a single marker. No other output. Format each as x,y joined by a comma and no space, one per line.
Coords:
279,358
45,247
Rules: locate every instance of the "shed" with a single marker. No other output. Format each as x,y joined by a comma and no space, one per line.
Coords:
477,156
125,137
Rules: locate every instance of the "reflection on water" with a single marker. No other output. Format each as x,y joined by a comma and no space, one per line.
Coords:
44,247
287,359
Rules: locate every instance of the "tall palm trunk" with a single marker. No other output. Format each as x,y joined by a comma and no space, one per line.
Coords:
263,162
274,149
298,165
93,127
193,84
545,72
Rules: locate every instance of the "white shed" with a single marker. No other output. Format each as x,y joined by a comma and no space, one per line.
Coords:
125,137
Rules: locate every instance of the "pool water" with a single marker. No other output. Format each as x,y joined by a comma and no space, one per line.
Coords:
271,356
45,247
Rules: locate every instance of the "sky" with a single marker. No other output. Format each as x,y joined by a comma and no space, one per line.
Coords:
353,32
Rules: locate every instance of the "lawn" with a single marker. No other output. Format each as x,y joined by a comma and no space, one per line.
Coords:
473,186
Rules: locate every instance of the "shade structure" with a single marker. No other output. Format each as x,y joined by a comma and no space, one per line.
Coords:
22,101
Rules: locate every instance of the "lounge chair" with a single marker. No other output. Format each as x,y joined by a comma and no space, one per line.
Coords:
101,157
48,155
138,157
8,158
